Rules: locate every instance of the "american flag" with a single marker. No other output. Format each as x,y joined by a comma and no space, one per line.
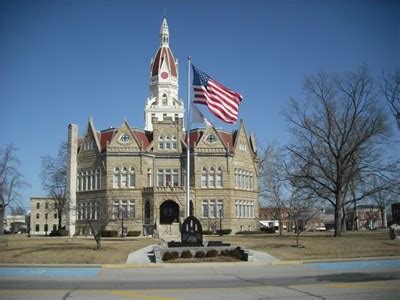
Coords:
221,101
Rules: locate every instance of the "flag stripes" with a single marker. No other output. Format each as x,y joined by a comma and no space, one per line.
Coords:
221,101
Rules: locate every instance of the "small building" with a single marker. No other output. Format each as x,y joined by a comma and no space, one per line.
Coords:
15,223
269,217
367,216
44,216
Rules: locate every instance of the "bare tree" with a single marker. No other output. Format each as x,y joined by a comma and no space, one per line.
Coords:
17,210
11,181
53,174
390,87
304,209
338,136
272,181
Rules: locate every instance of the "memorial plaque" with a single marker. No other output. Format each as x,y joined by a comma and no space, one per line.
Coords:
191,232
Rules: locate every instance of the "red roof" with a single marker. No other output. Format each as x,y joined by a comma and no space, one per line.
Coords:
141,137
144,138
227,137
105,138
164,53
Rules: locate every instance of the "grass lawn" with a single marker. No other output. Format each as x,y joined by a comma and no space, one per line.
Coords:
319,245
58,250
39,250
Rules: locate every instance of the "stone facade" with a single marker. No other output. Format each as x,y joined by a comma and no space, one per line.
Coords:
44,216
137,177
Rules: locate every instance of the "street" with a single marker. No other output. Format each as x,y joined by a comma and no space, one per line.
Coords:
339,280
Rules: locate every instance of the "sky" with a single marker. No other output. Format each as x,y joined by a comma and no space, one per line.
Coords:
63,61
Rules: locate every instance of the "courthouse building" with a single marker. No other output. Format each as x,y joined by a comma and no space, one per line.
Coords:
140,174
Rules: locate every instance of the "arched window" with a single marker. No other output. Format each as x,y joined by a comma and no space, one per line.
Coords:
211,178
167,143
84,185
116,177
219,177
204,177
251,180
132,178
98,179
124,177
164,100
161,142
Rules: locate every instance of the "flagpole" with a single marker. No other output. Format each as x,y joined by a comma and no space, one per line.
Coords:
188,142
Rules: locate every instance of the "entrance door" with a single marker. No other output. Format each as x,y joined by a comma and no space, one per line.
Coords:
169,212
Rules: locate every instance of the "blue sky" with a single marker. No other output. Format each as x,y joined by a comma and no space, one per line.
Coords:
63,61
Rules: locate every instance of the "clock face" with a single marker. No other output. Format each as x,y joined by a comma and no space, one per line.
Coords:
164,75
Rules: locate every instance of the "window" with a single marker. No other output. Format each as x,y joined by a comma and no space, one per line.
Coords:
211,178
244,209
125,138
213,208
220,209
54,227
167,143
211,138
149,178
243,179
205,209
131,210
219,177
175,178
124,178
37,205
46,216
161,142
204,177
116,178
174,145
79,208
132,178
46,205
37,227
37,216
123,210
115,209
167,177
160,178
55,216
164,99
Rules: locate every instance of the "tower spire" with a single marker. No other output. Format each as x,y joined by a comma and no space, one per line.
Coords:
164,34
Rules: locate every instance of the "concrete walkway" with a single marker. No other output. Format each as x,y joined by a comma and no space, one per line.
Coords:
145,256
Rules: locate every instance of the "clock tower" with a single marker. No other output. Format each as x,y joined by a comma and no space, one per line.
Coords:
164,99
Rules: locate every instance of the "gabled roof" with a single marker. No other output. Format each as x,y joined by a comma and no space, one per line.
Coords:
145,138
226,137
